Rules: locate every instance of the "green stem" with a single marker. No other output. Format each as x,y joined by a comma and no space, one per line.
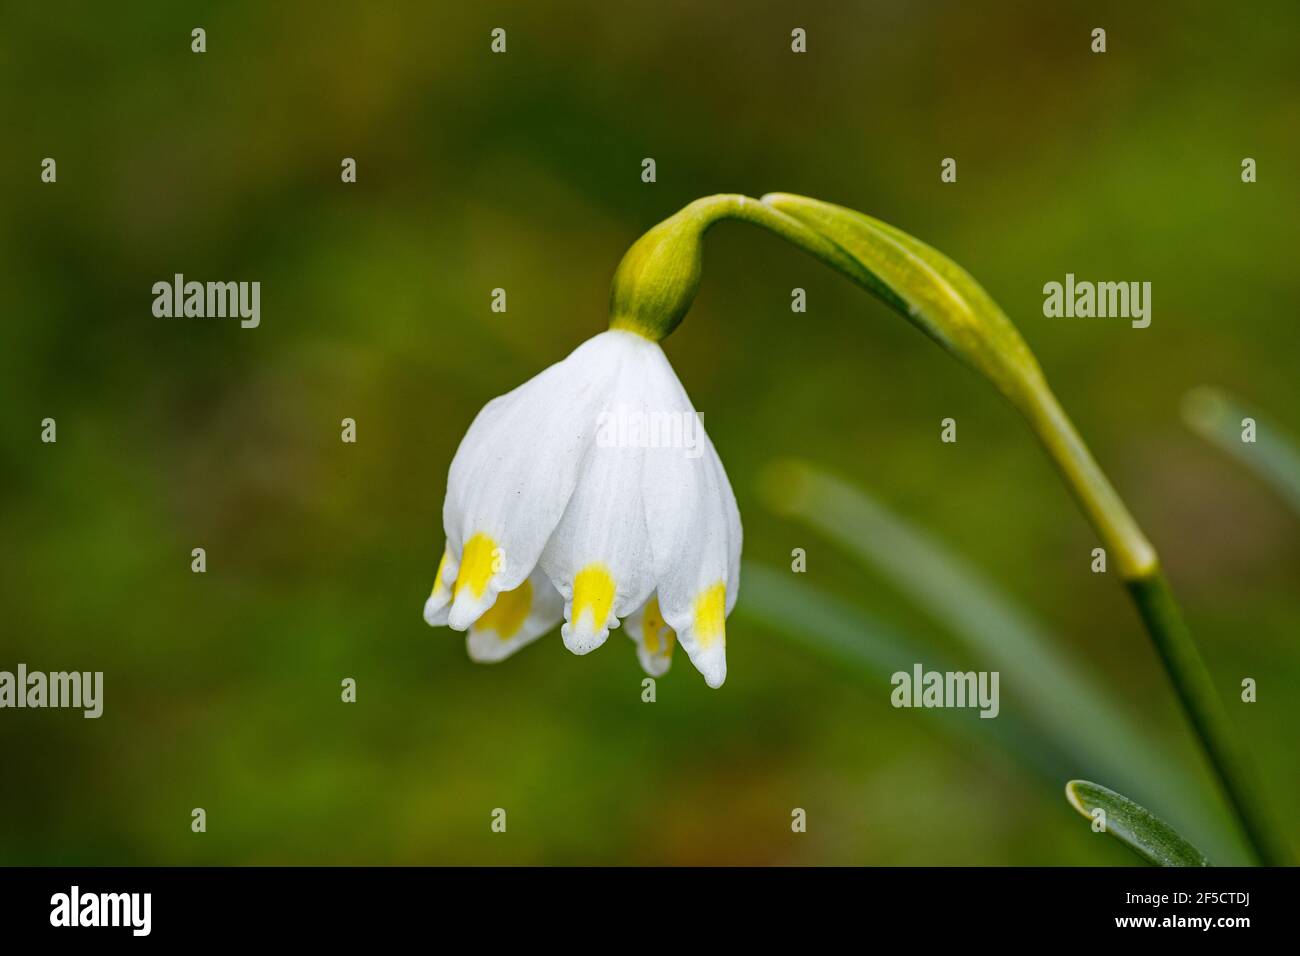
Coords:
657,281
1195,689
1139,566
1126,545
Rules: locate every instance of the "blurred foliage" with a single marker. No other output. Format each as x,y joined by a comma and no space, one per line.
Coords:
522,171
1272,455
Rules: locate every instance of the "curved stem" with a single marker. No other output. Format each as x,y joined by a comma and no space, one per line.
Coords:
667,261
1133,554
711,209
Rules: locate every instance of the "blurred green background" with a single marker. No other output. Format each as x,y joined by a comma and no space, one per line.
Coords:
522,171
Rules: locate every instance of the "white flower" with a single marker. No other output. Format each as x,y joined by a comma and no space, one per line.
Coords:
591,493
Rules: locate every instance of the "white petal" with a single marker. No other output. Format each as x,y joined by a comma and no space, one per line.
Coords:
599,555
516,618
695,536
653,637
438,603
514,473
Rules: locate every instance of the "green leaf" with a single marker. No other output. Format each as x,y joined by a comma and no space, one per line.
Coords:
848,636
1217,416
1133,825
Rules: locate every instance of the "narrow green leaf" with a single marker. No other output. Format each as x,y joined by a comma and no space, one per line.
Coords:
1273,456
1133,825
850,637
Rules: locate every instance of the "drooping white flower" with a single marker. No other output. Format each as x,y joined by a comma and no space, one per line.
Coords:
591,493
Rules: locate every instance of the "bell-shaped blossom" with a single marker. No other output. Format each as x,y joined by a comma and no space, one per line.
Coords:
591,494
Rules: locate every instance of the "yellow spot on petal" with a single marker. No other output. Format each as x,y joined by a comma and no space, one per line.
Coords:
711,614
437,578
508,614
477,565
593,590
652,624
